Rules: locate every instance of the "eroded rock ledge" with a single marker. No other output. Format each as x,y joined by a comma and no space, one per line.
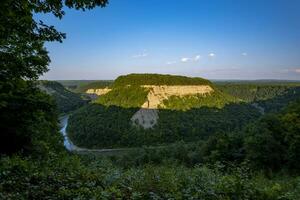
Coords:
98,92
147,116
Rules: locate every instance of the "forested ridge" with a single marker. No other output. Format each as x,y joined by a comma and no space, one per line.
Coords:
255,91
158,79
81,86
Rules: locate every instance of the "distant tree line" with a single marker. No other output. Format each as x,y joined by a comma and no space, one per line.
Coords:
255,92
158,79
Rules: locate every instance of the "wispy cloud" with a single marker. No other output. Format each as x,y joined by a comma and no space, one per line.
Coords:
171,62
184,59
190,59
140,55
244,54
211,55
197,57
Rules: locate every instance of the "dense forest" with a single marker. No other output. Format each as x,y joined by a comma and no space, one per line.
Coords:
157,79
126,97
116,130
187,118
217,99
233,151
250,92
248,164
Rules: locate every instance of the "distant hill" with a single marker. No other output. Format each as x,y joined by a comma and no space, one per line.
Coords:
250,92
154,109
163,91
66,100
81,86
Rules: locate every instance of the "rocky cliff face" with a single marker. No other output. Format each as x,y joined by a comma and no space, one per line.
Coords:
158,93
98,92
147,116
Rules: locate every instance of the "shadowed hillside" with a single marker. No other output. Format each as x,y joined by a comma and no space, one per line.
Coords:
66,100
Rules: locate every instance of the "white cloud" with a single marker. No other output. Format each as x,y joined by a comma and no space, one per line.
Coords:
297,70
244,54
185,59
211,55
140,55
197,57
171,62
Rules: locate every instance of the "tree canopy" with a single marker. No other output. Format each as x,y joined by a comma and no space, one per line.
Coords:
23,58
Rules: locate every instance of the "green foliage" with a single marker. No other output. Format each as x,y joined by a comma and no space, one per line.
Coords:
100,126
66,101
96,125
255,92
69,177
28,120
29,124
274,141
279,102
126,97
216,99
27,115
157,79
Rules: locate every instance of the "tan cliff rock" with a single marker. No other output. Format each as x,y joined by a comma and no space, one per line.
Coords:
98,92
147,116
158,93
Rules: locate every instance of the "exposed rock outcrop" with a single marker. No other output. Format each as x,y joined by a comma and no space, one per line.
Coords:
147,116
158,93
98,92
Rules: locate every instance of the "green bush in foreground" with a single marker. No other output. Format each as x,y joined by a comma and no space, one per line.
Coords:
68,177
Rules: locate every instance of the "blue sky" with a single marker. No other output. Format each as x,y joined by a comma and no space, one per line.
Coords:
216,39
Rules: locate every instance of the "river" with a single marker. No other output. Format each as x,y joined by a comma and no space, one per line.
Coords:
67,143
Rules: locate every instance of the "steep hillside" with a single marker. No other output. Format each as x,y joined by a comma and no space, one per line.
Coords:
151,92
148,112
66,100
